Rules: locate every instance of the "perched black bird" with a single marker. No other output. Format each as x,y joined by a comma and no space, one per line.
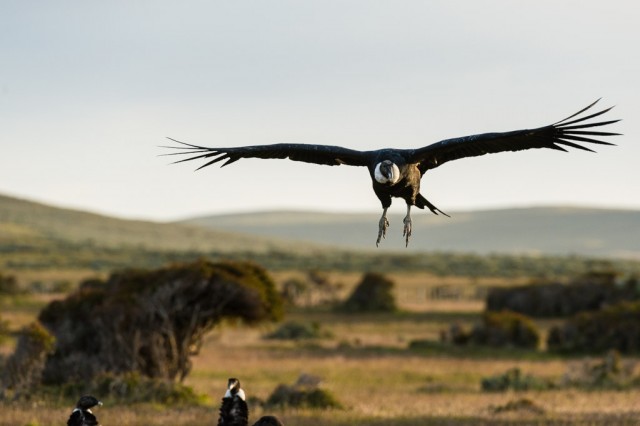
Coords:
397,172
268,421
82,415
234,410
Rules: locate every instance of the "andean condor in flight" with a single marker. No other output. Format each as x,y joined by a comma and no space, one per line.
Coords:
82,415
397,172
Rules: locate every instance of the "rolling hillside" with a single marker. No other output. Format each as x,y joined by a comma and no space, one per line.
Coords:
548,230
26,223
31,232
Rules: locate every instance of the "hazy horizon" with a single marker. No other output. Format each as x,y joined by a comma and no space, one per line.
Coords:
303,210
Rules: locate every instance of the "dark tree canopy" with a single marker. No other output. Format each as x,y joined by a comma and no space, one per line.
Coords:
151,322
373,294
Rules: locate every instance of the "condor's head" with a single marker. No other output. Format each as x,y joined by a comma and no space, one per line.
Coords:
387,173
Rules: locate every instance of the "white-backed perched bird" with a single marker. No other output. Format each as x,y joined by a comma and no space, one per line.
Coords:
82,415
233,410
397,172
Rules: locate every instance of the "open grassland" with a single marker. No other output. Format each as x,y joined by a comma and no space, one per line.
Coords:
366,362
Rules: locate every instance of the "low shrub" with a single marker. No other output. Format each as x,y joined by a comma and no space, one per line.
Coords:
133,388
518,405
589,292
9,285
287,396
293,330
5,330
497,329
22,371
373,294
610,372
615,327
305,393
152,321
513,379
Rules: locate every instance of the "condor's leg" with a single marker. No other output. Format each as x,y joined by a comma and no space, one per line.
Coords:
407,225
382,226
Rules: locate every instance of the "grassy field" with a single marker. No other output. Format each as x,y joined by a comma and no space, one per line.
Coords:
367,364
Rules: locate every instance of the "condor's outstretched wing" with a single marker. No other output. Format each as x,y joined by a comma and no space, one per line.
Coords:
317,154
565,132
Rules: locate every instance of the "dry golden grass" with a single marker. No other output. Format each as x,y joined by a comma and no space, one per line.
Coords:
367,366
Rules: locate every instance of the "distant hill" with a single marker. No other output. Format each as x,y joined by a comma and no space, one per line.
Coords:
541,230
26,223
31,232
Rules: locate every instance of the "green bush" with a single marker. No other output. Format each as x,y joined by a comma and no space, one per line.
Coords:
131,388
373,294
294,330
498,329
589,292
5,330
22,371
610,372
300,397
151,322
9,285
518,405
513,379
615,327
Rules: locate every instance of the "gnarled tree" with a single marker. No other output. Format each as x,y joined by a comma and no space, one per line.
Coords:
151,322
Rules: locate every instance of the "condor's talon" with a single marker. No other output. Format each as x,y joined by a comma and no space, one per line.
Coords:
407,226
382,227
407,230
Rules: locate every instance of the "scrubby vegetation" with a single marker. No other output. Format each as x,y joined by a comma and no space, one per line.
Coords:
295,330
589,292
614,327
373,294
365,359
4,329
132,388
514,380
9,285
610,372
22,372
519,405
304,393
146,323
498,329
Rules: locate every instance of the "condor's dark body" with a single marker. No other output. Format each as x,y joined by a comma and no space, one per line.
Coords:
398,172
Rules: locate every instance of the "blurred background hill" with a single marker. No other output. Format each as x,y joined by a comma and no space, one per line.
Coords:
531,231
535,230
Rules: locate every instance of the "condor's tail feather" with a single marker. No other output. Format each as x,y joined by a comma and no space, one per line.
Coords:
422,202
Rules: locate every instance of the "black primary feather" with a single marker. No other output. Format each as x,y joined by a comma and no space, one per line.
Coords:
552,136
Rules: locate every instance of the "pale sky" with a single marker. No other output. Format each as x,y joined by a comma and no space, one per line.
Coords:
89,90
